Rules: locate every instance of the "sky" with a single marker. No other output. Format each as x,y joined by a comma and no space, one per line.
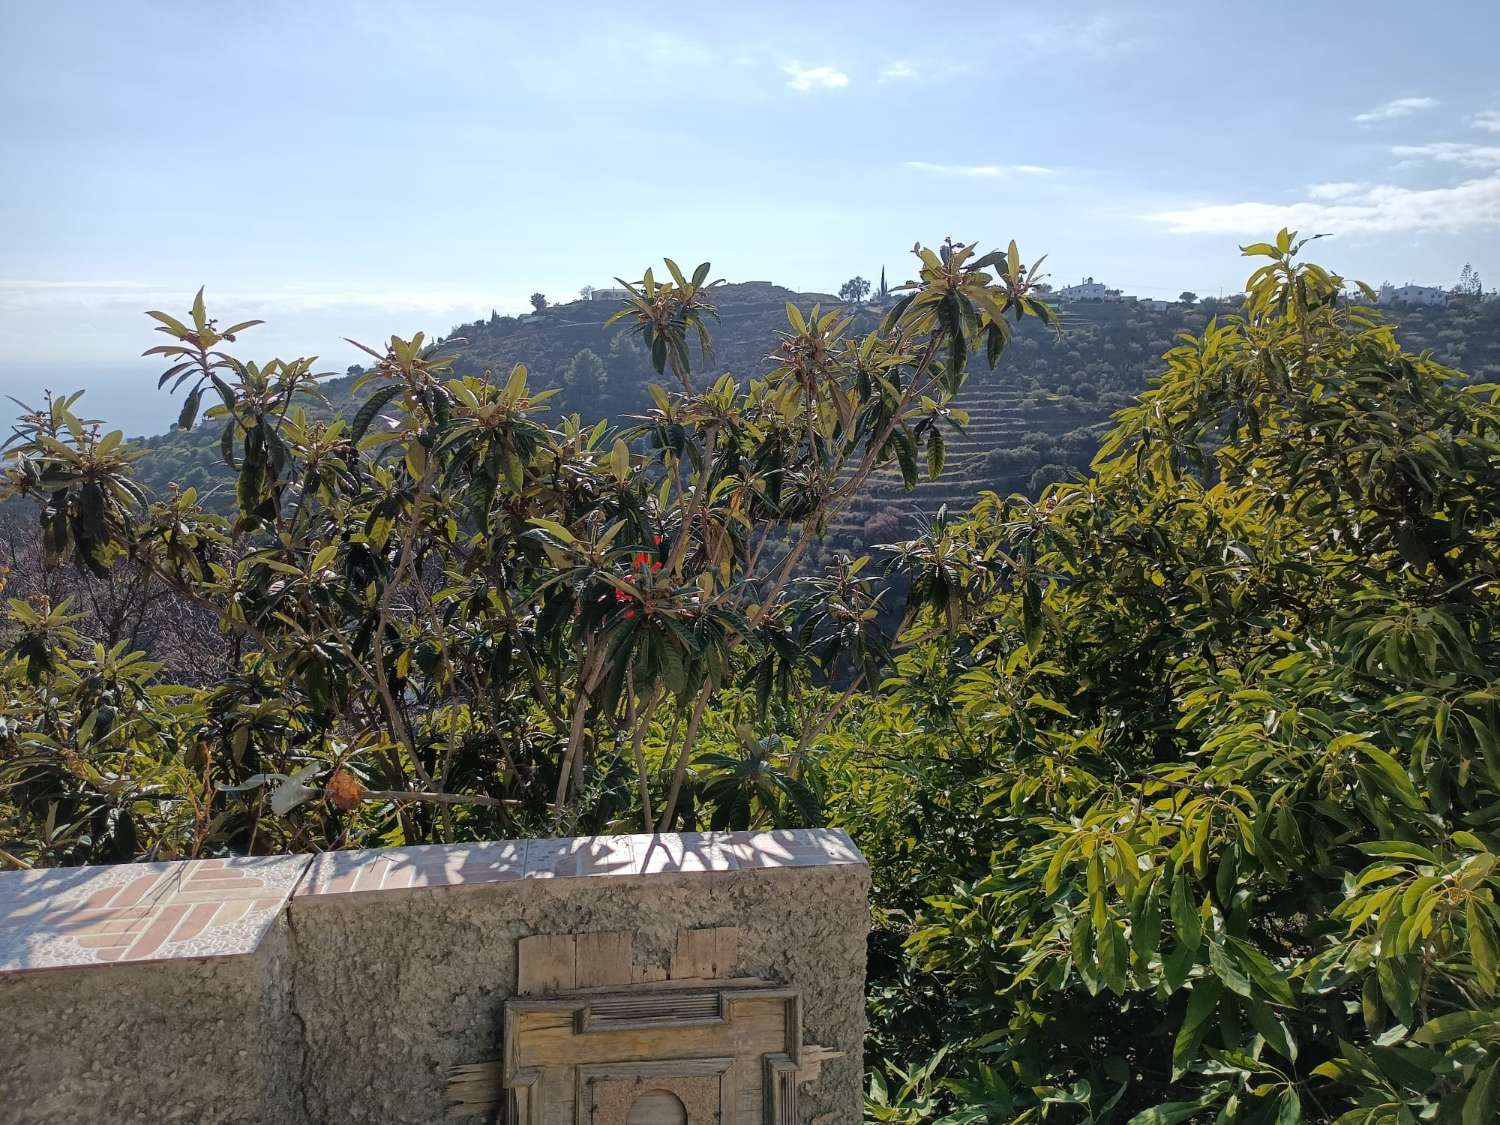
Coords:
358,169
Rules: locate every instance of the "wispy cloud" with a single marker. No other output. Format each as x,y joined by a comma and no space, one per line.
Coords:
1452,152
665,47
898,71
983,171
1487,119
1396,107
1374,209
805,79
1103,34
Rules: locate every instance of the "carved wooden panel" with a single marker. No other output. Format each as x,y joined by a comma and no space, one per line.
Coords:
589,1059
648,1093
594,1038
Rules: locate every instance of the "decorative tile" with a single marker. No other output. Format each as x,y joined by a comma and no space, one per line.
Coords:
800,847
425,866
66,917
139,912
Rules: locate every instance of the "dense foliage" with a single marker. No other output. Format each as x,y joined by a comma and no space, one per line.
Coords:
1180,781
1195,816
448,619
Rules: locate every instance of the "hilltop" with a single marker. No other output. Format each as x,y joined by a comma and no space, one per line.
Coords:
1034,420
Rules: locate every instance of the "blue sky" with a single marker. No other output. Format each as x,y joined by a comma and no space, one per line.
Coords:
363,168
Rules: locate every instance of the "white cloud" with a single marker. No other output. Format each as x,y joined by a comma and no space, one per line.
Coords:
897,71
1487,119
803,79
984,171
1396,107
1377,209
1339,189
1452,152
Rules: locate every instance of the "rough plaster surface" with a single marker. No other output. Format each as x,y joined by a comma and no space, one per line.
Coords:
391,993
353,1005
201,1042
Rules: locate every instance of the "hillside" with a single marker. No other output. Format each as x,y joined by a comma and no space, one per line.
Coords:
1035,420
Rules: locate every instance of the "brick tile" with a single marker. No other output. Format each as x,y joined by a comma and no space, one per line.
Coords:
137,890
157,930
197,920
141,912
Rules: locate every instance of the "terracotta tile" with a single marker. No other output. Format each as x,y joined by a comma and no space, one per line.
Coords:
157,930
138,889
140,912
196,922
109,941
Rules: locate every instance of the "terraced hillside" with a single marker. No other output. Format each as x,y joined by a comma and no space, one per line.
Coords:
1035,420
998,451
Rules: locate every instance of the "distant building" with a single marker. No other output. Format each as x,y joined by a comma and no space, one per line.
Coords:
609,294
1086,290
1411,295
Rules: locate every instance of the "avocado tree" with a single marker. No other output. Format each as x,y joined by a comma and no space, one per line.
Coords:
1208,771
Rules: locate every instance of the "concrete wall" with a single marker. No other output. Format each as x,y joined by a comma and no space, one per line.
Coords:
344,994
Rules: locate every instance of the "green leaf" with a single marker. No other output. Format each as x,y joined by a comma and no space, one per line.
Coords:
619,460
189,413
1454,1025
934,453
1399,849
1185,915
1201,1004
1176,966
1172,1113
1270,1027
1228,970
1261,971
553,528
1480,1105
372,405
1481,945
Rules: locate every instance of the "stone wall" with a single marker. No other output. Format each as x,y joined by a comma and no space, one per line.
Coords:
353,986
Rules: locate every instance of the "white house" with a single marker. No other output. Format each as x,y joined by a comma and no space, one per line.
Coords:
608,295
1412,295
1087,290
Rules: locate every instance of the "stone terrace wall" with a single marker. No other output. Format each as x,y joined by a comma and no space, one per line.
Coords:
341,988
